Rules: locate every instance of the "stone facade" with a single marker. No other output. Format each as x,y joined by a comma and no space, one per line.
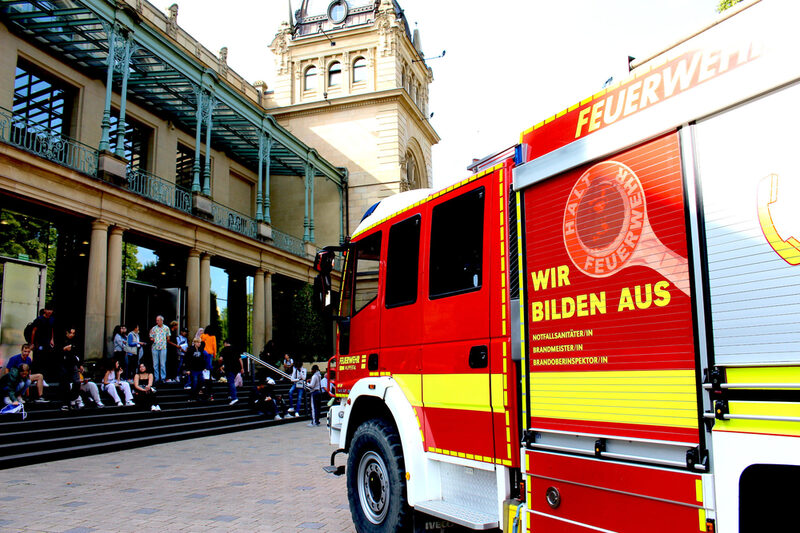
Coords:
366,107
104,205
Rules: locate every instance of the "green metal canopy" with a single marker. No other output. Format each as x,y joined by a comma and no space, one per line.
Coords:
162,78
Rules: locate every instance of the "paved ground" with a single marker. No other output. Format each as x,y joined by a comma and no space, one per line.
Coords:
267,480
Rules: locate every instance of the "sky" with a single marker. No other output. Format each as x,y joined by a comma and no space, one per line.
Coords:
509,63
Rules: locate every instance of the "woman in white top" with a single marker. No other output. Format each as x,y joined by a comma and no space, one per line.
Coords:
112,382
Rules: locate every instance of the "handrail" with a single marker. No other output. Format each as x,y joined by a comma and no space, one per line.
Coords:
273,368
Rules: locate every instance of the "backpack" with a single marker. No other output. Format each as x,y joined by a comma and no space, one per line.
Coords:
28,332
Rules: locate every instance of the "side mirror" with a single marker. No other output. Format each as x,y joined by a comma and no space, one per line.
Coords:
322,293
323,263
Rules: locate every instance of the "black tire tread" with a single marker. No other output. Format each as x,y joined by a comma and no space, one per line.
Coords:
368,436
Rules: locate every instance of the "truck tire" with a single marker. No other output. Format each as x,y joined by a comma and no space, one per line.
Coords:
376,483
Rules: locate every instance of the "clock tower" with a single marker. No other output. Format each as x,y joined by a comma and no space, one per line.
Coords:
352,82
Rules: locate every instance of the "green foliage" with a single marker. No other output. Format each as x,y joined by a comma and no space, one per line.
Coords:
131,265
726,4
36,238
307,327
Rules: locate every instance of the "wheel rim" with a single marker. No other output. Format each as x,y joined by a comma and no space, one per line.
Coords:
373,487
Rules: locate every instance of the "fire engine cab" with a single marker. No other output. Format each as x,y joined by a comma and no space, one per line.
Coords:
600,331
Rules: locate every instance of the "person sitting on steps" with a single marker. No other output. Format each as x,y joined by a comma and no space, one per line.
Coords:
112,382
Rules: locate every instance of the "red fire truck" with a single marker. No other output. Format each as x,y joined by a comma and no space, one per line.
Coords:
599,332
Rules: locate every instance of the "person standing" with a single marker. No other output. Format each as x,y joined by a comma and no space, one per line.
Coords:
315,384
233,367
44,343
158,336
70,381
120,343
182,342
209,339
196,363
298,384
133,353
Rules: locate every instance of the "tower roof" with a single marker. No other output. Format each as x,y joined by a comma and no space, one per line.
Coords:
333,15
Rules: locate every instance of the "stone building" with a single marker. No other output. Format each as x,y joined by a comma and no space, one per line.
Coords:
118,129
195,174
352,81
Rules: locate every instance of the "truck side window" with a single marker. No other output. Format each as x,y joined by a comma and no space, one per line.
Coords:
367,265
457,245
402,262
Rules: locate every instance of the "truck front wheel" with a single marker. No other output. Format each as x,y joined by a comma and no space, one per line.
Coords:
376,484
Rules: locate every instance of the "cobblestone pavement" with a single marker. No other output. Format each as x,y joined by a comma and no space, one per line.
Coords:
268,479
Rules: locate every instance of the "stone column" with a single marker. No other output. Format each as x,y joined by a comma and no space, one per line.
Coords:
259,304
193,292
267,307
113,285
205,290
96,292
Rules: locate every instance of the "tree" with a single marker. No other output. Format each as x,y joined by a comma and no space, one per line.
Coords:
130,261
32,237
726,4
308,327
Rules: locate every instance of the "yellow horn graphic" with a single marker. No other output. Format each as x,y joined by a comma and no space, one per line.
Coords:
788,249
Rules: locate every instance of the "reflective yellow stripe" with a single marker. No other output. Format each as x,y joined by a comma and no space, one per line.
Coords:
497,392
762,426
411,385
653,397
702,516
698,489
769,374
469,392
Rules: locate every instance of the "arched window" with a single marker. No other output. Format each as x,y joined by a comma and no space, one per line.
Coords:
335,74
310,79
413,177
359,70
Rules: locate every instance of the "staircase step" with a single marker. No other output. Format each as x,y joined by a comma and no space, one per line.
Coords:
22,459
50,433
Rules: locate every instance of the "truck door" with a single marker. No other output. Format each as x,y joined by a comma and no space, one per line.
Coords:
402,314
359,336
455,354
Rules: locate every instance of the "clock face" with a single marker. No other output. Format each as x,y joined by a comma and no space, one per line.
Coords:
337,11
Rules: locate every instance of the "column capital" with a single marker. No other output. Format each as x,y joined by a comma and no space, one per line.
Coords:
118,230
100,225
194,252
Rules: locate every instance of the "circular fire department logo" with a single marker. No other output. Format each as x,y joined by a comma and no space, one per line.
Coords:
604,218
